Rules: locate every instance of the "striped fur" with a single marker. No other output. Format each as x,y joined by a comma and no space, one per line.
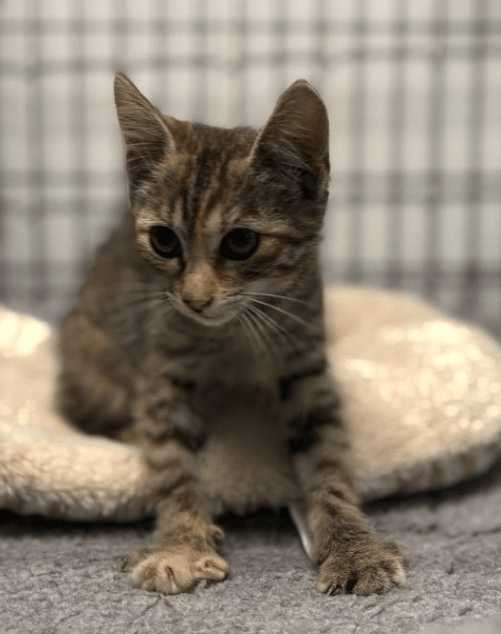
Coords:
175,316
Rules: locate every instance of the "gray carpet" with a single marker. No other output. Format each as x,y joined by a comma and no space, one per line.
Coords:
61,577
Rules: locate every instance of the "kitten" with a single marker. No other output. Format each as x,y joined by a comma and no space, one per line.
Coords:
205,305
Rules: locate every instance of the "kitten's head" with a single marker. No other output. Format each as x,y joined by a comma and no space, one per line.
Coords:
226,214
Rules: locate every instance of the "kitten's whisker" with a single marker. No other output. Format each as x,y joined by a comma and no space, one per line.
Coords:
151,291
167,305
119,308
255,341
121,302
270,323
119,316
286,335
136,291
286,297
250,331
259,325
286,312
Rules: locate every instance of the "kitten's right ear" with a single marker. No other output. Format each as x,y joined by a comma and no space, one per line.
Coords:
294,142
146,135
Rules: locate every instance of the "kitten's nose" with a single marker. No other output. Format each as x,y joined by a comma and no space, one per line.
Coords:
196,303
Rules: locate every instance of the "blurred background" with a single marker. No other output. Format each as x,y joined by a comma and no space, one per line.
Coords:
414,95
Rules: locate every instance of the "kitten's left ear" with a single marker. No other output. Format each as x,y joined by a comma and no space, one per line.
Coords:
145,131
295,139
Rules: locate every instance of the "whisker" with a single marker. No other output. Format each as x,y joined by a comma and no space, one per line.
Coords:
167,305
286,312
141,291
274,295
287,336
250,331
133,285
118,314
271,323
124,301
258,324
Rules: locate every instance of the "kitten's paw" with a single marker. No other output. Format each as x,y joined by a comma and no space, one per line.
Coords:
174,571
364,567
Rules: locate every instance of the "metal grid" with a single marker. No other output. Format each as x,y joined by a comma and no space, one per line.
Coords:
414,92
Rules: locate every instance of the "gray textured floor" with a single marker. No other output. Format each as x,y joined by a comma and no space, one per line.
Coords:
59,577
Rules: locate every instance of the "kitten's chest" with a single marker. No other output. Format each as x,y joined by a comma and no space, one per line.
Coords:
244,463
229,362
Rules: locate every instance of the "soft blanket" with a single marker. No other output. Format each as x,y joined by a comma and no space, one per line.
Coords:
421,394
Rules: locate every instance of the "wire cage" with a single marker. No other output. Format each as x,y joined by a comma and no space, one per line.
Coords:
414,95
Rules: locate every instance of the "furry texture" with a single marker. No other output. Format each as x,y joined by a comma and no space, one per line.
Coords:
57,578
49,468
222,246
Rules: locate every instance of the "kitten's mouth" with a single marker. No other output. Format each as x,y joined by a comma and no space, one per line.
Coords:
204,318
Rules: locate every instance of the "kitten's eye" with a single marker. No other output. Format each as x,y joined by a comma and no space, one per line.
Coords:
164,242
239,244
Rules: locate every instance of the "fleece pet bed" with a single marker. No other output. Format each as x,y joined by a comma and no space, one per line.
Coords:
421,395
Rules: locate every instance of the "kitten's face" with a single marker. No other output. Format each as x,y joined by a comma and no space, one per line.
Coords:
226,217
212,246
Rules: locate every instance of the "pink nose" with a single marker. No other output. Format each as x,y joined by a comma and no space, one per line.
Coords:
196,303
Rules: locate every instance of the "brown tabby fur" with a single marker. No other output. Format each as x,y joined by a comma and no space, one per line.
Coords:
171,351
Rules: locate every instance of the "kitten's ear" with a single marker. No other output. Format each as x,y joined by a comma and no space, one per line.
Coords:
146,135
295,139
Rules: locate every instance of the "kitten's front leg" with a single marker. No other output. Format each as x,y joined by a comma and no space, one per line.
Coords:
349,555
185,542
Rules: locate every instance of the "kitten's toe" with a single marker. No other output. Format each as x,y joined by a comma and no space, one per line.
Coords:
363,568
174,571
212,567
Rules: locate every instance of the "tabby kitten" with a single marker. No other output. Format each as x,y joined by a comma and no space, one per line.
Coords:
204,303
